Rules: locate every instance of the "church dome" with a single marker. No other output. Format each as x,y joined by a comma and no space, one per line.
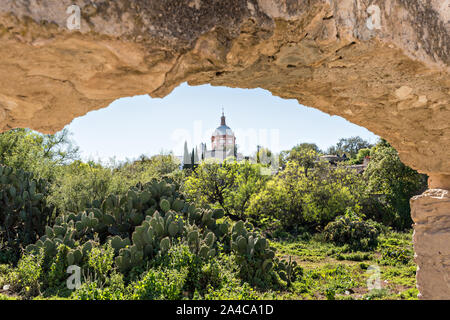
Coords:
223,141
223,130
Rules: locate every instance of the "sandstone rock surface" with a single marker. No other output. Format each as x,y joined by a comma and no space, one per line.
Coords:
431,214
384,65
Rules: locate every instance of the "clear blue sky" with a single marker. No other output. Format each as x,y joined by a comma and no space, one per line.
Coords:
139,125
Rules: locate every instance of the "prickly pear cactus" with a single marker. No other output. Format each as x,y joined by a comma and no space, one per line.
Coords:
146,222
24,212
288,271
202,245
253,254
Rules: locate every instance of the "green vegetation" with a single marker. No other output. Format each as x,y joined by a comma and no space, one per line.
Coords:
353,231
394,184
148,230
337,272
293,200
230,185
24,212
351,147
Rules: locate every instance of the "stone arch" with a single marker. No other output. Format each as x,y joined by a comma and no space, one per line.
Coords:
383,65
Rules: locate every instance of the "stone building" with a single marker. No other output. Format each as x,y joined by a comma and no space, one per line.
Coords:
223,146
223,143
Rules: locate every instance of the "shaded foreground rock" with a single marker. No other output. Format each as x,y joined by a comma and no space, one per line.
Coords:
383,65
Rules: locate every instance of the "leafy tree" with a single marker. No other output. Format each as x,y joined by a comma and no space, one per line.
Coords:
33,152
307,146
359,159
59,147
230,185
307,158
295,200
299,153
145,169
349,146
18,148
208,183
392,184
248,181
282,158
78,185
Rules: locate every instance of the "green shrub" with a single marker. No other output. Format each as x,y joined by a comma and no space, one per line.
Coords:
353,231
29,271
92,291
101,260
364,266
395,251
57,271
5,271
178,257
159,285
410,294
5,297
111,288
393,255
330,293
209,276
377,294
232,291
